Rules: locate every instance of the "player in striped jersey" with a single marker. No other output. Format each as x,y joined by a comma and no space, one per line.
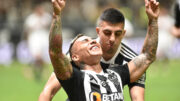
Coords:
123,55
84,79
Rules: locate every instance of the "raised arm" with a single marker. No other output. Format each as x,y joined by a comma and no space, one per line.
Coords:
60,62
148,54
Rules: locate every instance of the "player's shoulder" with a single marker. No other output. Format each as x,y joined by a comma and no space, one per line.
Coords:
127,51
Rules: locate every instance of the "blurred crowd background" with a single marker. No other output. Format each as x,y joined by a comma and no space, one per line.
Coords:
25,25
24,30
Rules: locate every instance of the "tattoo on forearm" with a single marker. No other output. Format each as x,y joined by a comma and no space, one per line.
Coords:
150,46
55,38
61,64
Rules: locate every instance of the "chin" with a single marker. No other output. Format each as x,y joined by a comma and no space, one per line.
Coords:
96,56
96,53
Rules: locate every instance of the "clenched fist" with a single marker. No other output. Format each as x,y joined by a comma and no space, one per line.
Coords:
58,6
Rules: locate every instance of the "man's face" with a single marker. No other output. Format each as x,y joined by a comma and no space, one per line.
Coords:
86,50
110,36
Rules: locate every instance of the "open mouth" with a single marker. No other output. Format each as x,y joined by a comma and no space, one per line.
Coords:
94,48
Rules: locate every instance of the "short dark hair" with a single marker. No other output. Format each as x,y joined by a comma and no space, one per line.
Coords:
111,15
72,43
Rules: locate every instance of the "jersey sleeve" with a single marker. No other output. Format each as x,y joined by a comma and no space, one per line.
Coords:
128,55
123,71
70,84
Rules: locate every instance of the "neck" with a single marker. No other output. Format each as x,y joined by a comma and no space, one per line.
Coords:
107,56
96,67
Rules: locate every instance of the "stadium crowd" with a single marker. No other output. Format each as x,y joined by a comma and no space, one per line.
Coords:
22,21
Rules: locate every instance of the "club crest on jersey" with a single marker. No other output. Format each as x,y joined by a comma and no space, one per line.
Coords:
95,96
112,76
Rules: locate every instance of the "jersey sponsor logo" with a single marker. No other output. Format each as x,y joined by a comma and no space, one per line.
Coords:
112,97
115,96
95,96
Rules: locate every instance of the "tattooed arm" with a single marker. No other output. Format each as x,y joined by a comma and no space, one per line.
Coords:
60,62
139,64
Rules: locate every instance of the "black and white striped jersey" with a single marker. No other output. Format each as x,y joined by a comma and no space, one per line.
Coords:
123,55
86,85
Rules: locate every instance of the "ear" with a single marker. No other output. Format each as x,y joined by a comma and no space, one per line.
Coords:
97,31
124,32
75,58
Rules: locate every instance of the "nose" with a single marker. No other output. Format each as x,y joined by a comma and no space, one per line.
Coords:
93,42
112,38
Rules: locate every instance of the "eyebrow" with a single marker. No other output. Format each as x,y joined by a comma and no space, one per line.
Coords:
87,38
115,31
119,31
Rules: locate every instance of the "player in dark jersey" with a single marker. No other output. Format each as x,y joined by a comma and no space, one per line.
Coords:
124,55
176,28
86,54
